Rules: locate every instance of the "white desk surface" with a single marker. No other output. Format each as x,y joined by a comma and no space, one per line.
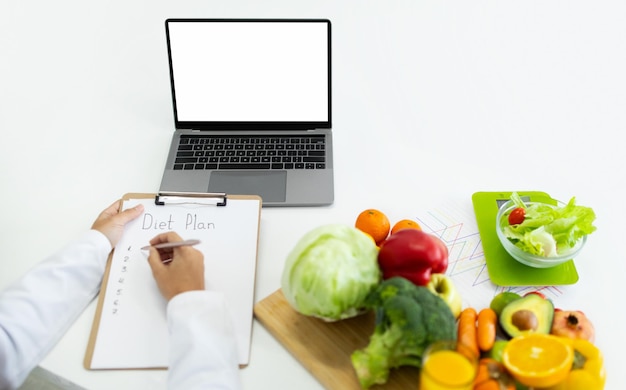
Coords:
440,99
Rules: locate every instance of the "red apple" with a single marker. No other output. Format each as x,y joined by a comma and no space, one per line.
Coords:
542,295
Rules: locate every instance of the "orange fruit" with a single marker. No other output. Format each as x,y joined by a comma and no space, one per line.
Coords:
375,223
405,224
537,359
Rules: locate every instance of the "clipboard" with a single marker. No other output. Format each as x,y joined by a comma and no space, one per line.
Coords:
129,329
503,269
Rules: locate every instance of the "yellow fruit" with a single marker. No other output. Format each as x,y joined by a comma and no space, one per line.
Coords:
371,238
538,360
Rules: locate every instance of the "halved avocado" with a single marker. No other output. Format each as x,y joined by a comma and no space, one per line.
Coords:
530,314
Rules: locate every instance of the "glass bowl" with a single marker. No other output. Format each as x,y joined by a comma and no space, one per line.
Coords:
524,257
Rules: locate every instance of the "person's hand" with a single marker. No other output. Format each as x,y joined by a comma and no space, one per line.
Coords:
183,270
111,222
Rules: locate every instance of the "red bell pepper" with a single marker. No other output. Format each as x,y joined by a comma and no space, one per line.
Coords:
413,254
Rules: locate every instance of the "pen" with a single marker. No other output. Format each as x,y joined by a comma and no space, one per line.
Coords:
175,244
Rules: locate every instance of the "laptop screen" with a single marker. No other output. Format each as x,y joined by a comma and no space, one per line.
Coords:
250,73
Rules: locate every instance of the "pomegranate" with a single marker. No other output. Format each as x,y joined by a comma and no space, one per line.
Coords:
572,324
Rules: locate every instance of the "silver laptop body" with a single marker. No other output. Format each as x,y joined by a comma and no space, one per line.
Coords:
260,82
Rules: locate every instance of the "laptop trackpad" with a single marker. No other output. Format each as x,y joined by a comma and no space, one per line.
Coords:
270,186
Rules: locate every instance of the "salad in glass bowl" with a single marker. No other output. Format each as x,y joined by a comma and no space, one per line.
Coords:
543,235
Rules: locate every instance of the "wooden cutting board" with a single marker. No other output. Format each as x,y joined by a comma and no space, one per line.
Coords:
324,348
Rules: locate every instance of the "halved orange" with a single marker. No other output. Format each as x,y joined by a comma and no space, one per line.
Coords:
538,360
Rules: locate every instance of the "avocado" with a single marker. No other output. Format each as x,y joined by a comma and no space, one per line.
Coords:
530,314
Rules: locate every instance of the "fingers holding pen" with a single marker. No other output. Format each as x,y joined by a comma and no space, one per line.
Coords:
155,261
184,270
165,254
166,245
166,237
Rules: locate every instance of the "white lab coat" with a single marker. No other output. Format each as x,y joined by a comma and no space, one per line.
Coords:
38,309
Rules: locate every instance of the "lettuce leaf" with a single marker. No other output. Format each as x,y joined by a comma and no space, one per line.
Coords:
565,225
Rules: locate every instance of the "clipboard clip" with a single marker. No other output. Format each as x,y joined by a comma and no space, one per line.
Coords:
201,198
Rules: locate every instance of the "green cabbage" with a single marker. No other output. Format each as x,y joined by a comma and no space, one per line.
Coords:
330,272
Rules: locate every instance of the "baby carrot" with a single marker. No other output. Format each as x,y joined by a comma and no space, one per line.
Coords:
466,330
486,329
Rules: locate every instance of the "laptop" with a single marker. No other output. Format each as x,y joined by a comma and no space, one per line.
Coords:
252,109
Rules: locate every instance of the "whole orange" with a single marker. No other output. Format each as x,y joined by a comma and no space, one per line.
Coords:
405,224
375,223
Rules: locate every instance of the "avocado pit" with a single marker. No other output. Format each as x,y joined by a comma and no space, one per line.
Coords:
524,320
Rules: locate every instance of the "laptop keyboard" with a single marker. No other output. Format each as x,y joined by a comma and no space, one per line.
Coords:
251,152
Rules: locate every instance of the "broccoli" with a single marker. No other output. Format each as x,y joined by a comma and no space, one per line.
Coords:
408,319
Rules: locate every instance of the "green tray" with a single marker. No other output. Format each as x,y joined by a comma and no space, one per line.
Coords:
503,269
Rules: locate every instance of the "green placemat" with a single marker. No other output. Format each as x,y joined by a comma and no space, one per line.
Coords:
503,269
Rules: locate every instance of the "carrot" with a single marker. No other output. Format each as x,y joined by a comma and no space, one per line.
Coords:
486,329
466,330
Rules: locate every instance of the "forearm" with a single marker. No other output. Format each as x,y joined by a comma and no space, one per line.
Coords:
203,351
38,309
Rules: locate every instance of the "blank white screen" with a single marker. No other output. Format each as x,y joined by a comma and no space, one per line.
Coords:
250,71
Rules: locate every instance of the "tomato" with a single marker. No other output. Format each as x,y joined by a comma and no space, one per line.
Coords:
517,216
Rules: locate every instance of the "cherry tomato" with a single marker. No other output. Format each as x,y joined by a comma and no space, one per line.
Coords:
517,216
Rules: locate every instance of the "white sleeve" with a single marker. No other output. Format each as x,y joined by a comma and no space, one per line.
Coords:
38,309
203,351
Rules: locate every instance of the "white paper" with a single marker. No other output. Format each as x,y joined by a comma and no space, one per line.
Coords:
133,327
